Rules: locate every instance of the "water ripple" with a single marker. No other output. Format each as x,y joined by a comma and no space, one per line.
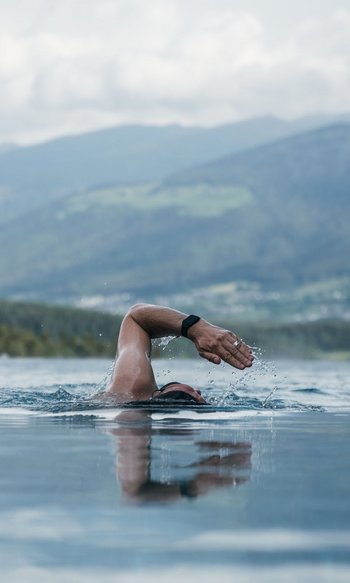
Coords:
78,398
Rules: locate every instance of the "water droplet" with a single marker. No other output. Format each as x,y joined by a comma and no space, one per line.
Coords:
163,342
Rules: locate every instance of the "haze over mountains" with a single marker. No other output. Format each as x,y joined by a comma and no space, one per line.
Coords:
33,175
162,209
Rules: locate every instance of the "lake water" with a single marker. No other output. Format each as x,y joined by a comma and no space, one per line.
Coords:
253,487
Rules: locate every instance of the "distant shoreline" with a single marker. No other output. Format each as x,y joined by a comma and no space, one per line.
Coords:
30,330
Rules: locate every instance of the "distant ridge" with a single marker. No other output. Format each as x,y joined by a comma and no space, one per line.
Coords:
33,175
277,214
319,145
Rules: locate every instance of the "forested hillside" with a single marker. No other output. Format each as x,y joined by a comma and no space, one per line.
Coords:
37,330
32,176
277,215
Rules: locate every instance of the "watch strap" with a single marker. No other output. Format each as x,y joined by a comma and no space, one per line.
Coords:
187,323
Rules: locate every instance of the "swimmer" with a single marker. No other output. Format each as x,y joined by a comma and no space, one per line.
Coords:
133,377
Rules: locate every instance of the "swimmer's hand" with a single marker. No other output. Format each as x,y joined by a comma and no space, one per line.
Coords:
217,344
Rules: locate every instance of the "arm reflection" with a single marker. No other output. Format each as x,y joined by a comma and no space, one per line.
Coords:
147,473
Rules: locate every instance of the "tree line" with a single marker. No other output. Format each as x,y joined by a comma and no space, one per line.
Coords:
40,330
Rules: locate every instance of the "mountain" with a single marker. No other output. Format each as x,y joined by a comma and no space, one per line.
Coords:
34,175
296,226
277,214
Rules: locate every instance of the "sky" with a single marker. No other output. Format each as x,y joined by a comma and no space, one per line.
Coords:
77,65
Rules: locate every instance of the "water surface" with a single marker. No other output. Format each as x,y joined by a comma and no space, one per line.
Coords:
253,487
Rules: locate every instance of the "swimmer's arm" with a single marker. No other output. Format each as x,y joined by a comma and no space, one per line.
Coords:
212,342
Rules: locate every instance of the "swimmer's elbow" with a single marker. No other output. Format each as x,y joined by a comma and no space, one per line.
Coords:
137,311
137,307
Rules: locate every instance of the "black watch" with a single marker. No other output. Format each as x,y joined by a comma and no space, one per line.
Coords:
187,323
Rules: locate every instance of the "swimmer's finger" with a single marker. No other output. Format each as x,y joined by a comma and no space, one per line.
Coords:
232,355
232,361
238,351
238,345
214,358
217,358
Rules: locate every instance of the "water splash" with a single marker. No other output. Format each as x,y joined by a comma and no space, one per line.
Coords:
102,385
163,342
78,398
245,381
226,388
54,400
265,401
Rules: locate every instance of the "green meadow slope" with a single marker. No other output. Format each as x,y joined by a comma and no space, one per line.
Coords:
32,176
277,215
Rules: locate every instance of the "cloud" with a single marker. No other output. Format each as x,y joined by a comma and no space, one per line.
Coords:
77,65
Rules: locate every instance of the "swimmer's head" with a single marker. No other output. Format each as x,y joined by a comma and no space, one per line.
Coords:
181,392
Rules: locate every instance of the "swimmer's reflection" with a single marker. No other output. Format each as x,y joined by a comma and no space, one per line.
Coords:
147,471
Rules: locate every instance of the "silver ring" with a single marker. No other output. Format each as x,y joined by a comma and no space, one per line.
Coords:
237,343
